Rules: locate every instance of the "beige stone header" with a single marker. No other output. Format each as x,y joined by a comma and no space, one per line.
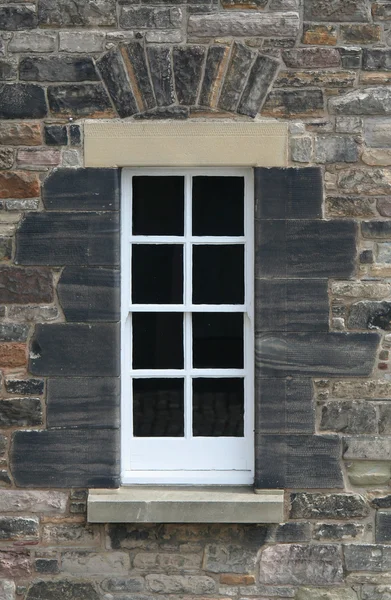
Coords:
185,144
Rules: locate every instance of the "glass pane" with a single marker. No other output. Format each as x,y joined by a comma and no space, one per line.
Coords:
158,205
218,340
157,274
157,340
218,206
218,407
158,408
218,274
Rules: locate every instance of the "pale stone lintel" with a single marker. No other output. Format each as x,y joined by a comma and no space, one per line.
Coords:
185,144
146,504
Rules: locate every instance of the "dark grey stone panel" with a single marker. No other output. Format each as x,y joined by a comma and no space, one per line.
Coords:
301,249
83,402
22,101
297,461
288,193
80,100
165,112
383,527
113,73
66,458
214,66
20,412
160,66
238,68
315,354
291,305
261,76
82,189
284,406
135,53
188,62
88,295
25,387
64,589
55,238
374,59
69,349
57,68
376,229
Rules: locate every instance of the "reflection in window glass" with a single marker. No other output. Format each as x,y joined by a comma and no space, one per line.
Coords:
158,408
218,407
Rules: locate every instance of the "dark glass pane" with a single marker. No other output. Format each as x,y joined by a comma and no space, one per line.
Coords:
218,340
157,274
158,205
218,407
218,206
158,408
157,340
218,274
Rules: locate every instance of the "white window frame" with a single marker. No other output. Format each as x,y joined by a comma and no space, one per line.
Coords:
224,476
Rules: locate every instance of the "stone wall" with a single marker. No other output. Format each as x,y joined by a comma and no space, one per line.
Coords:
322,65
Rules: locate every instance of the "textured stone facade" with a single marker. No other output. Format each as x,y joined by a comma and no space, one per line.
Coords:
323,405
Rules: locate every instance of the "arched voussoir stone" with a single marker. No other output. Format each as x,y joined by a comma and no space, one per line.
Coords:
167,81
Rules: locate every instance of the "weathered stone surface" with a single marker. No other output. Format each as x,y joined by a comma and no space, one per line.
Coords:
376,59
56,135
261,77
75,135
245,24
377,133
33,501
188,562
81,41
135,59
160,65
66,590
319,34
329,79
18,528
57,68
370,315
348,124
82,189
373,592
6,158
295,564
46,565
244,3
83,100
20,412
361,34
21,286
171,584
338,531
71,534
384,419
122,584
20,134
142,17
164,36
235,78
339,10
373,558
86,239
349,416
65,458
7,589
8,70
368,472
187,63
229,559
14,18
301,149
22,101
358,289
13,355
311,58
351,57
15,564
335,148
367,101
37,157
295,103
365,181
341,593
327,506
5,248
25,387
376,229
350,206
367,448
79,13
216,61
377,157
23,204
33,314
285,406
32,41
83,562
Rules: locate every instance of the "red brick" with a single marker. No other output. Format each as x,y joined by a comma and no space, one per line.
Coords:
18,184
20,134
13,355
25,285
38,157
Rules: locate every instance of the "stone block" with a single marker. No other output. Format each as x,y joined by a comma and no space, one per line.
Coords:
13,355
36,502
374,59
370,315
74,135
351,57
215,63
291,305
88,295
86,239
81,41
348,125
6,158
384,419
238,68
57,68
80,13
341,593
143,17
7,589
14,18
362,473
82,100
376,157
348,416
258,83
19,205
85,562
228,559
22,101
164,36
160,65
244,3
335,507
5,248
8,70
245,24
90,350
20,412
367,448
14,563
350,206
33,314
67,589
24,387
377,132
285,406
372,558
148,561
376,229
340,10
46,565
324,35
335,148
82,189
83,402
37,157
297,461
19,528
122,584
299,564
20,134
334,532
135,60
361,34
113,73
301,149
360,289
32,41
372,182
56,135
188,62
363,102
65,458
25,285
288,193
294,103
171,584
375,592
311,58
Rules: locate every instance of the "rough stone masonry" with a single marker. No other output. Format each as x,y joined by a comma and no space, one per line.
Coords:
324,66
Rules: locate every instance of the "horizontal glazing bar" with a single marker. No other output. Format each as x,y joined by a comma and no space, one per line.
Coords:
232,308
169,373
154,239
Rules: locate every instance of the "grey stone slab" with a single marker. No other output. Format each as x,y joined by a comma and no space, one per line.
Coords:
305,249
88,295
188,62
262,75
315,354
141,83
377,132
349,416
294,103
22,101
24,387
80,100
335,148
83,402
213,74
57,68
284,406
66,458
165,112
291,305
160,65
368,557
151,17
305,505
376,229
367,101
374,59
238,68
370,315
55,238
383,527
15,18
70,349
288,193
113,73
338,10
78,13
82,189
245,24
367,448
20,412
297,461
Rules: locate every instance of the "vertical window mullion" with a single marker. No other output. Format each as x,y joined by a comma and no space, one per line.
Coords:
187,325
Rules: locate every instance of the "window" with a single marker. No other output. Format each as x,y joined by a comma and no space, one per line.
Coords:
187,326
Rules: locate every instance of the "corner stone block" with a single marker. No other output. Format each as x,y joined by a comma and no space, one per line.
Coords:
67,349
66,458
82,189
288,193
297,461
285,406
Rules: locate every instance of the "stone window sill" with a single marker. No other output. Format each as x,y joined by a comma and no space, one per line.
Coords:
147,504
